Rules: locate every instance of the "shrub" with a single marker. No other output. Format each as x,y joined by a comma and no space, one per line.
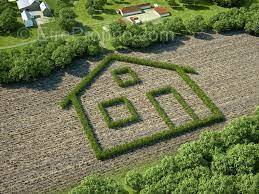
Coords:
41,58
174,24
134,180
233,19
196,24
252,20
98,185
66,19
8,20
228,3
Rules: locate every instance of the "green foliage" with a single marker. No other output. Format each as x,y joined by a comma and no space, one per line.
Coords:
98,185
93,6
66,19
117,28
239,159
134,117
175,24
228,3
233,19
136,36
41,58
134,180
252,20
8,17
125,83
210,164
196,24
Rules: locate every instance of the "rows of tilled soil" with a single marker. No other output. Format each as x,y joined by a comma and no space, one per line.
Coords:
43,148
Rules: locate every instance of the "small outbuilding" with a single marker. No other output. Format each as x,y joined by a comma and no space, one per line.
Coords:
162,11
133,10
44,7
27,19
31,5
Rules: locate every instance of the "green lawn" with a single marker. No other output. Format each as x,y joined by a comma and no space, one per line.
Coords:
51,3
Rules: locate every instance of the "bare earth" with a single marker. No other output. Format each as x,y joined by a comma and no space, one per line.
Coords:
43,148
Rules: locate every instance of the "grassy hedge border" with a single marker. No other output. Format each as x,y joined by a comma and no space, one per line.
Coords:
125,83
169,90
104,154
134,117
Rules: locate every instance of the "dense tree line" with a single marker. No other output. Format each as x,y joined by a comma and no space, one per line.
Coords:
8,17
223,3
224,161
41,58
136,36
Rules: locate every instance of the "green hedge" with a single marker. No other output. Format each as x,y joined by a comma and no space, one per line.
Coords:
134,117
40,59
125,83
103,154
89,79
169,90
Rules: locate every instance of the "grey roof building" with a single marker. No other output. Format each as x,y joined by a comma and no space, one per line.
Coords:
32,5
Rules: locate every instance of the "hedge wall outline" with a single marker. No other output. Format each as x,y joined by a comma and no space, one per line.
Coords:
103,154
151,95
125,83
134,116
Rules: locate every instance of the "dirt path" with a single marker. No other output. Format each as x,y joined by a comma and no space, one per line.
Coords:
43,147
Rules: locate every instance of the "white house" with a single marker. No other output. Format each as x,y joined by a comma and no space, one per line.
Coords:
32,5
45,9
27,19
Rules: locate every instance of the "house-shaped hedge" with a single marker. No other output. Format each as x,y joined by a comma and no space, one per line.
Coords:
74,96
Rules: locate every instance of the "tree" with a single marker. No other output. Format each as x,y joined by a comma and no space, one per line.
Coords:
175,24
62,56
135,180
98,185
227,3
66,19
8,20
252,23
117,28
196,24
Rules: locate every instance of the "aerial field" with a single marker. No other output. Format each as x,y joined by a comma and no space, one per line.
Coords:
45,148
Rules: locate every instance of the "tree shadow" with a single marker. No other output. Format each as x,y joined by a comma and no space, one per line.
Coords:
97,17
197,7
109,11
231,33
204,36
178,8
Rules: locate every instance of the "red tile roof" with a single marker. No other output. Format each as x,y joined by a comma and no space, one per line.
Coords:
161,10
129,9
134,8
